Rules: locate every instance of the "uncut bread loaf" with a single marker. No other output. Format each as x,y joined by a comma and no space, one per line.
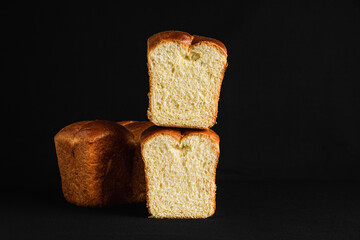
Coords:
94,157
186,73
137,181
99,162
180,169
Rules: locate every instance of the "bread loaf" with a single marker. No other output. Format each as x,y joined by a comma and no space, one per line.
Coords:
180,168
186,74
94,157
99,162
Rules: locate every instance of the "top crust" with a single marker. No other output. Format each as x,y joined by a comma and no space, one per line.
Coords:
178,133
184,38
91,131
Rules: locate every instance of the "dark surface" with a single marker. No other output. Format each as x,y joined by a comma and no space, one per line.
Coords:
288,113
244,211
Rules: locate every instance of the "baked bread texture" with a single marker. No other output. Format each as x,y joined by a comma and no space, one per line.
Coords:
137,181
180,169
186,73
95,162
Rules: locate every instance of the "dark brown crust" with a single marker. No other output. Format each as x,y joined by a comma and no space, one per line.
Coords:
137,182
94,161
188,41
136,127
178,134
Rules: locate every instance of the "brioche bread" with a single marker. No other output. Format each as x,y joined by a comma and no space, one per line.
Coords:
180,168
94,157
185,73
100,162
137,181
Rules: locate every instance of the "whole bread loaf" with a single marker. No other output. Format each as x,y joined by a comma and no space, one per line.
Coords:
98,162
93,156
180,169
186,73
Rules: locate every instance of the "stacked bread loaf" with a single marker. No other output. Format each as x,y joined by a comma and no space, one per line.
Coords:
170,161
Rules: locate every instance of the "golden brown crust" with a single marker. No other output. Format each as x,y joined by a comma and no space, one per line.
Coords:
179,134
184,38
166,36
124,123
137,183
188,41
94,161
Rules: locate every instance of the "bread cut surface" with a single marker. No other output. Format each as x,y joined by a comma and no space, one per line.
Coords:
186,73
180,168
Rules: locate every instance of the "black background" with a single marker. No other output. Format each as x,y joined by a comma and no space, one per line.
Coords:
288,113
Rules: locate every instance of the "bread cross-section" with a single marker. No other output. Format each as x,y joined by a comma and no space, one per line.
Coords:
186,73
180,169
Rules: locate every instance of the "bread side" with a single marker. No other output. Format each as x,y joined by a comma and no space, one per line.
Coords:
137,182
186,74
94,159
180,169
